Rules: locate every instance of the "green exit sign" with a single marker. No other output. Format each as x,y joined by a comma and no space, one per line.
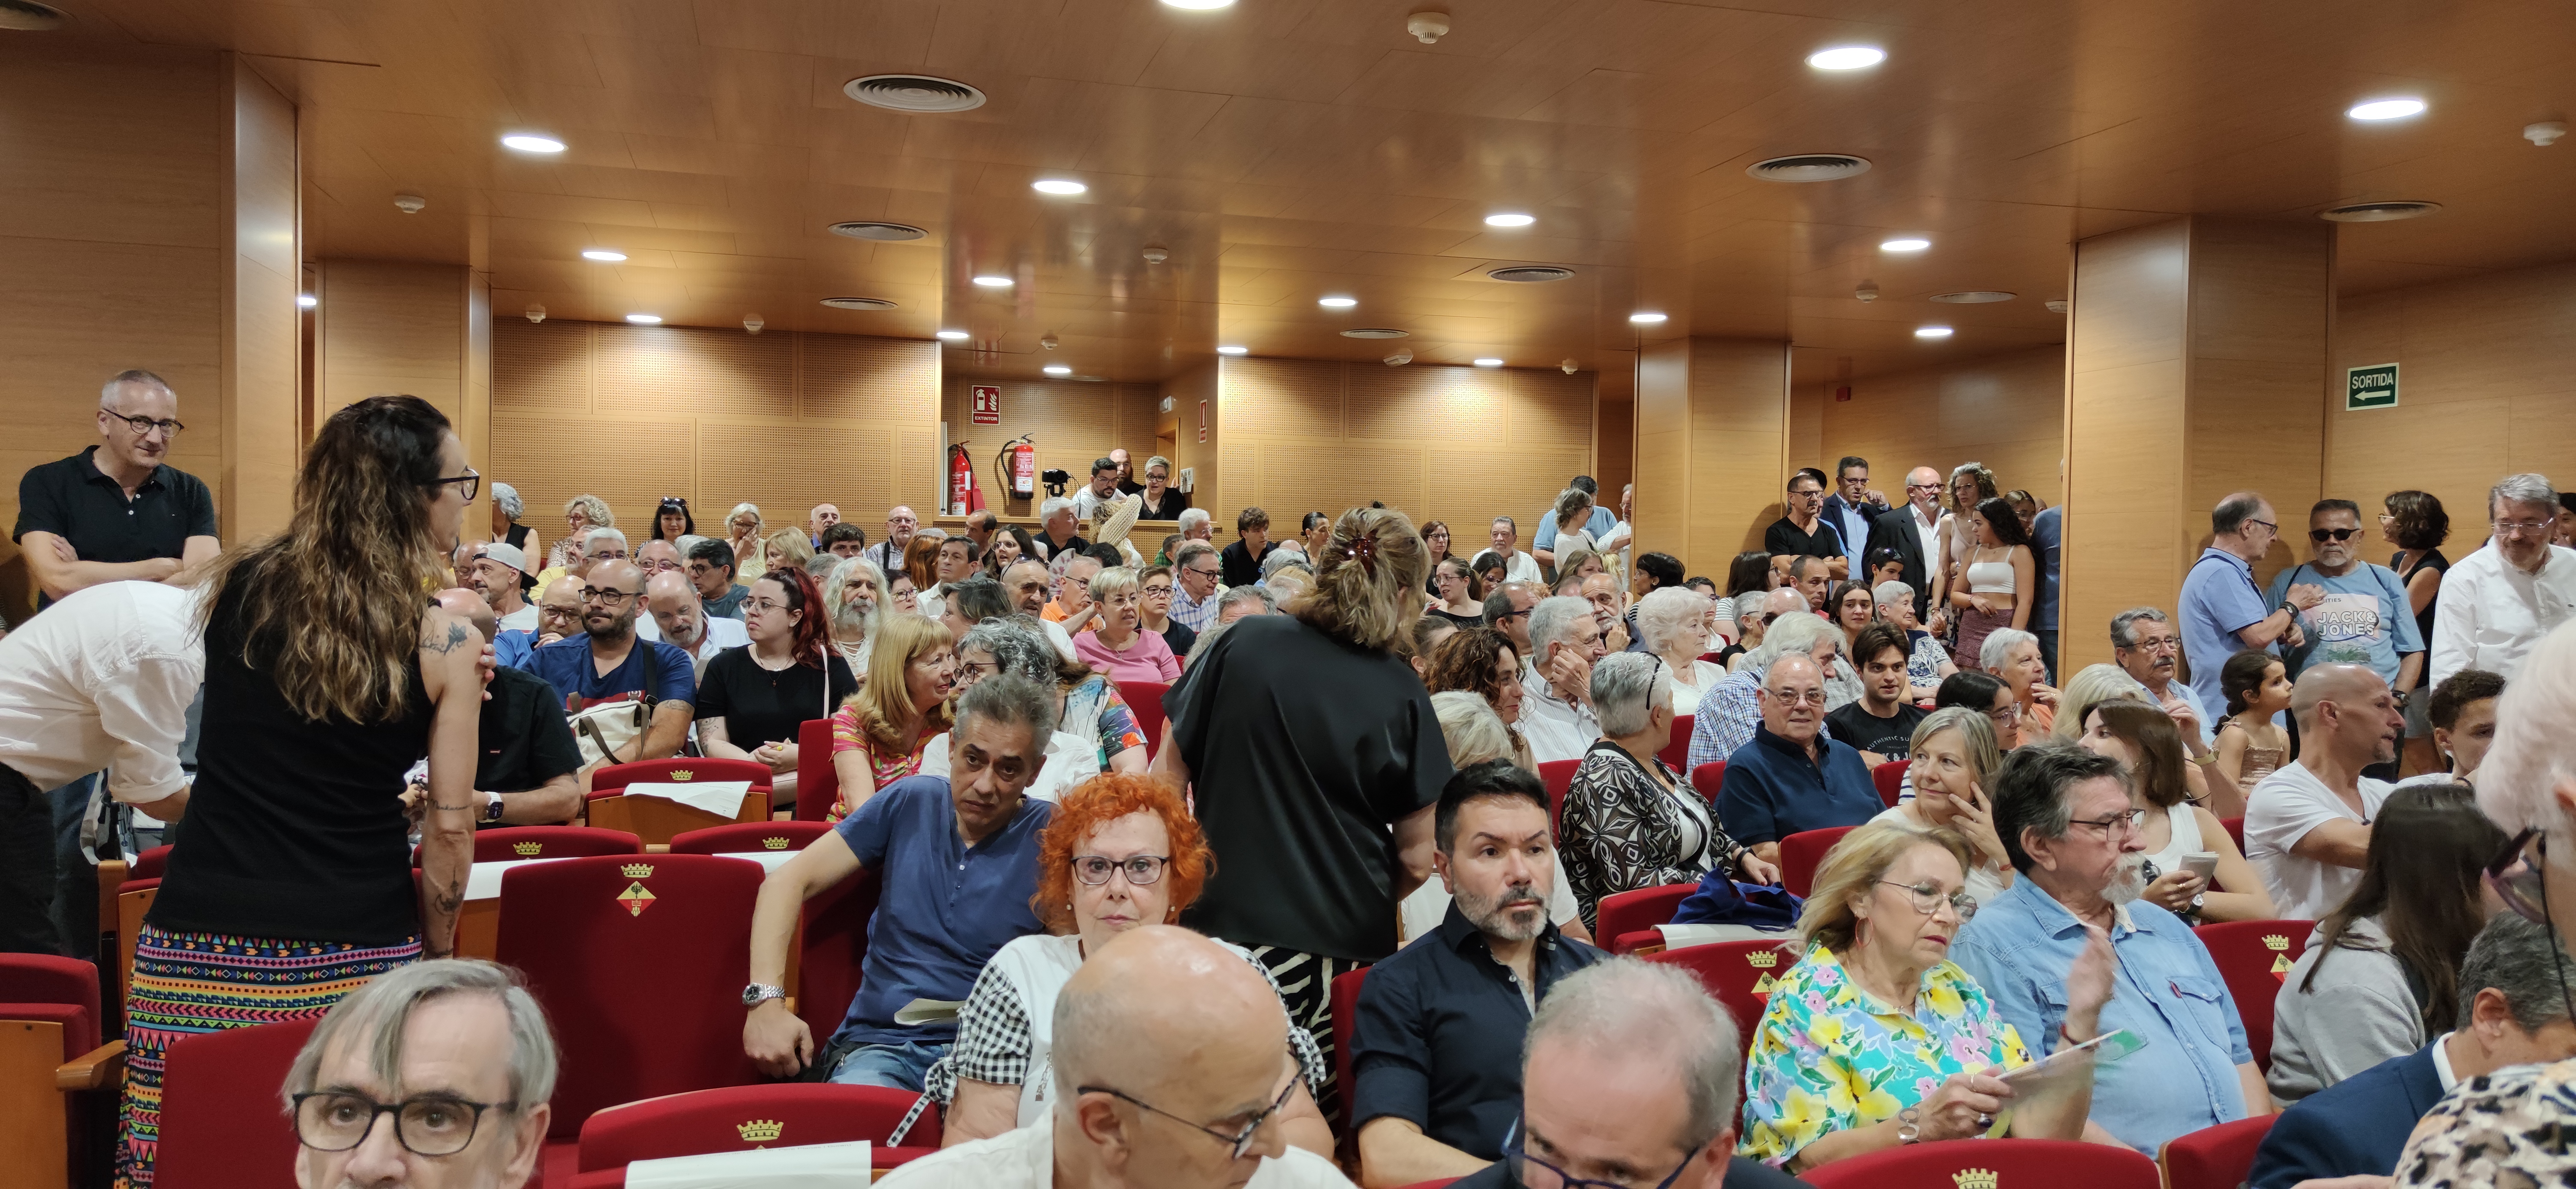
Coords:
2373,387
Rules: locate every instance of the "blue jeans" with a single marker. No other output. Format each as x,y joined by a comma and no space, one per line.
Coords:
900,1066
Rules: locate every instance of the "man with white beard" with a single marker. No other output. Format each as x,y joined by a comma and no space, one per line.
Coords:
2067,823
854,592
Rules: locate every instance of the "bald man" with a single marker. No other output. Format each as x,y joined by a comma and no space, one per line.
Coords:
1172,1069
672,600
2307,826
607,662
1911,533
528,760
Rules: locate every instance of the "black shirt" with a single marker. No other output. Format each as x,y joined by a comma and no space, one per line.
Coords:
1463,621
1890,737
760,706
1438,1037
1741,1173
72,499
1175,502
525,738
1304,750
1783,539
1180,637
1242,566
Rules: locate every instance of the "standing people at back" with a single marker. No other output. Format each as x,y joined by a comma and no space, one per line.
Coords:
2366,610
1999,580
2416,524
116,510
2500,600
2220,612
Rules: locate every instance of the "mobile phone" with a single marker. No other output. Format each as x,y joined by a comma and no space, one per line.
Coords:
2108,1047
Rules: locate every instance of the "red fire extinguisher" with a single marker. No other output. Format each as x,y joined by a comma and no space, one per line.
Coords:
1018,464
963,495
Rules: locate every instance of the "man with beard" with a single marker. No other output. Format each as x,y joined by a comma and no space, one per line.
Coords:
2068,825
2307,825
495,574
2145,645
608,662
854,590
2365,608
684,622
1436,1052
1027,582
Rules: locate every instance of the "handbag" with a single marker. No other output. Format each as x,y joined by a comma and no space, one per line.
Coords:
1723,901
600,726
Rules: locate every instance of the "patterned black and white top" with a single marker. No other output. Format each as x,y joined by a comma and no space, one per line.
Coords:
2511,1129
1621,831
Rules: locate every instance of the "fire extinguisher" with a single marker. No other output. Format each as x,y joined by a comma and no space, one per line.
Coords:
1018,466
963,495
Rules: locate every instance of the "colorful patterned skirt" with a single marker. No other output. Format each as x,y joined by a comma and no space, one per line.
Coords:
189,983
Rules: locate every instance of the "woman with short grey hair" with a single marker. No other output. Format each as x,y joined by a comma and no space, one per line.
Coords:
1160,500
1751,617
2011,656
1630,821
1926,662
1674,622
1002,648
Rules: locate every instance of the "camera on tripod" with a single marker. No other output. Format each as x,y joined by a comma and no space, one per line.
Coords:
1055,481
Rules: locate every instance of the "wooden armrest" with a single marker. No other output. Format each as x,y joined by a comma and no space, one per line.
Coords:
657,848
97,1068
1643,950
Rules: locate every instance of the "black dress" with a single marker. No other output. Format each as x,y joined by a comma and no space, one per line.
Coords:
1175,502
2434,561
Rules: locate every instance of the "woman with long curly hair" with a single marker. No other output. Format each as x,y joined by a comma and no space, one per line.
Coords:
328,673
878,732
752,700
1121,851
1971,484
1480,661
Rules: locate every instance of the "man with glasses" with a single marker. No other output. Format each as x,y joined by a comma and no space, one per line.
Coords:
1507,610
1792,777
2364,610
2307,825
1913,535
116,510
2499,601
1195,573
1803,531
2068,825
609,662
598,545
2145,646
1852,509
2221,610
684,623
711,570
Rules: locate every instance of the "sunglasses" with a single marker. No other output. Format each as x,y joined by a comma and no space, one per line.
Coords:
2323,535
2518,882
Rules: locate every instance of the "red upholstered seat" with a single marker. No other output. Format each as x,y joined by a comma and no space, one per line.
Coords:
221,1122
1738,973
1802,853
1145,701
1890,779
148,865
1642,909
640,964
2214,1157
1558,775
818,784
835,946
745,837
735,1118
2254,957
1346,1014
49,1027
55,982
615,1178
2002,1163
1710,779
506,843
698,768
2236,830
1676,752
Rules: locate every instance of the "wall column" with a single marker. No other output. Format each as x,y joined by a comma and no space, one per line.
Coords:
2195,360
262,329
423,329
1712,453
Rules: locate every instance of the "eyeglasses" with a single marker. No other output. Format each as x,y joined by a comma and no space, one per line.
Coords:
1141,870
2124,822
763,605
2520,884
1813,697
143,426
609,555
602,594
2006,712
1209,572
469,482
1922,487
2524,528
1242,1140
1516,1153
2323,535
1808,494
2265,523
426,1124
2157,643
1160,588
1927,899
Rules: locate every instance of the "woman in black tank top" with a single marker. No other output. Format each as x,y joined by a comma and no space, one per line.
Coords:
327,676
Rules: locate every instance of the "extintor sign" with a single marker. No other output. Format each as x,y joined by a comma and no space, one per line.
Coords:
987,403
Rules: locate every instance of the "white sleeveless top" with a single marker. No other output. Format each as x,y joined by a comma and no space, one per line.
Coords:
2185,840
1991,577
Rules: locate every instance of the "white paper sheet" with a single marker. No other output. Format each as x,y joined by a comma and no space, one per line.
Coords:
483,881
811,1166
1684,936
720,797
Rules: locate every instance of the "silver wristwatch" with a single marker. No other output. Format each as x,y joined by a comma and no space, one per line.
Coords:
1909,1125
759,993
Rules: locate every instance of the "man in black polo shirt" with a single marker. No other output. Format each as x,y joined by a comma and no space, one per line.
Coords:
1804,532
1436,1053
526,761
1881,724
116,510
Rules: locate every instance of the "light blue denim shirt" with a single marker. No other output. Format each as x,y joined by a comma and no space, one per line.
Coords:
2168,991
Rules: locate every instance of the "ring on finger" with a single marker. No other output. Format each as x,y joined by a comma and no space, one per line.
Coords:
1984,1121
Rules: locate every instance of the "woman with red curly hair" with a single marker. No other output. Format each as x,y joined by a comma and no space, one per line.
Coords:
752,699
1121,851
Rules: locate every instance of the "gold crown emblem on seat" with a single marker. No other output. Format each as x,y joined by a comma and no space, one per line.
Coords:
1762,959
527,848
760,1131
683,774
637,871
2274,941
1974,1178
773,844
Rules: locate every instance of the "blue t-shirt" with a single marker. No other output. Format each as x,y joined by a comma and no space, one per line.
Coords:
2044,530
2218,600
566,665
514,649
1599,526
947,907
2364,609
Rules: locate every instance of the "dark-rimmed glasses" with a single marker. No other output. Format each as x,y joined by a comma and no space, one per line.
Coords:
425,1124
2265,523
2523,888
606,594
1516,1153
469,482
143,426
2125,821
1094,870
1927,899
1242,1140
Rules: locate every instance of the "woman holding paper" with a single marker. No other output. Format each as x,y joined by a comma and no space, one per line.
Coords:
1876,1013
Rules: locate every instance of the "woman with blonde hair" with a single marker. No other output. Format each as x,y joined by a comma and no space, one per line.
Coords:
878,733
327,674
787,549
582,513
1971,483
1876,1039
743,536
1953,754
2091,686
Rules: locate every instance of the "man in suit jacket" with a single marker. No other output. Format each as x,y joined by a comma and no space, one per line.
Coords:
1910,532
2514,1012
1851,509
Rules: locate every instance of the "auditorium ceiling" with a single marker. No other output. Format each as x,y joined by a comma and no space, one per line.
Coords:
1278,152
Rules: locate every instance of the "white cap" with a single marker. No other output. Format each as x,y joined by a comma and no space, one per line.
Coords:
505,553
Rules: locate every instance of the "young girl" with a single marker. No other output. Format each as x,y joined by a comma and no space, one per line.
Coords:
2249,746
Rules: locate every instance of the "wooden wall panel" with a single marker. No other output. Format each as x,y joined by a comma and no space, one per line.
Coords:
544,368
1615,464
550,460
679,371
2006,411
1207,471
1071,423
263,327
848,375
390,327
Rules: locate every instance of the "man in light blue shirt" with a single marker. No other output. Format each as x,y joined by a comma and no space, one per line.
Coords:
2067,823
2221,612
2365,608
1543,546
2144,645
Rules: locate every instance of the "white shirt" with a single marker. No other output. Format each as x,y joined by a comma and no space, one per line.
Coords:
1086,504
720,634
2491,613
103,679
1930,532
522,620
1555,728
2442,1063
1521,567
1025,1159
2282,809
1070,760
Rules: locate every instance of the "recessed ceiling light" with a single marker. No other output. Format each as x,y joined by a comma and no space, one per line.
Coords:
1058,369
1489,362
1234,350
1904,244
1198,4
1057,186
1847,57
1510,219
1646,318
644,319
1337,303
307,300
602,254
2386,109
532,144
1931,332
993,281
953,336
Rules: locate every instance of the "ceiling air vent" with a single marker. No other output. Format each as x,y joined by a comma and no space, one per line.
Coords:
888,232
1530,274
913,92
1376,332
1809,167
2378,212
1972,297
858,303
29,16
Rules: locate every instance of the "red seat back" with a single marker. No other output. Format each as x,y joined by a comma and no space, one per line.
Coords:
2214,1157
2254,957
1644,908
2236,830
148,865
1890,779
1710,780
835,947
2004,1163
1346,1017
506,843
739,1118
221,1122
45,979
1558,775
640,965
1802,853
1676,752
746,837
1145,701
818,784
1739,973
680,769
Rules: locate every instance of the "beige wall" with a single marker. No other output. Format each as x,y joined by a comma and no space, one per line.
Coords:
421,329
1071,424
2006,411
1193,395
1712,447
262,330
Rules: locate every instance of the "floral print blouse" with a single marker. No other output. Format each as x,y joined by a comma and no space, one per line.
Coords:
1828,1057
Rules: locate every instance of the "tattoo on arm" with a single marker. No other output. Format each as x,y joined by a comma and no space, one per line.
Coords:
456,635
